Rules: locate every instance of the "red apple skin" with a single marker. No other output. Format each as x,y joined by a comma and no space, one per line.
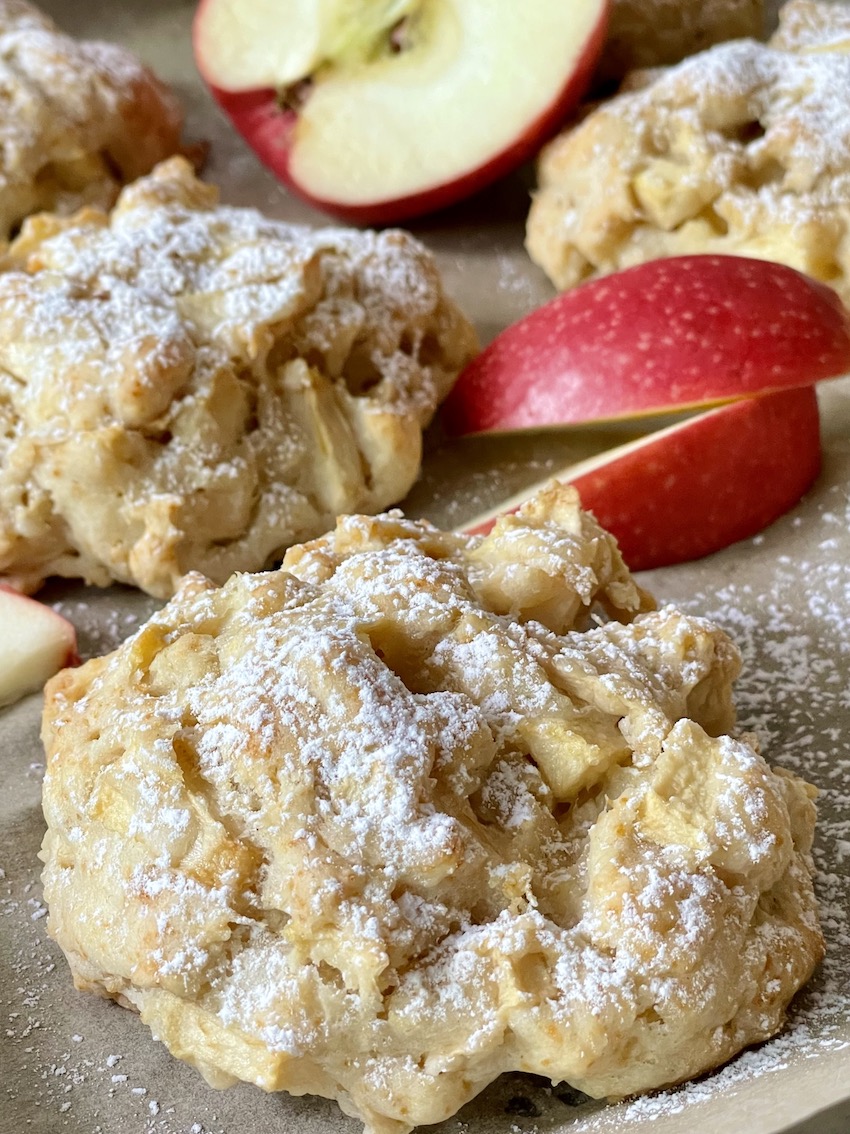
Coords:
722,477
270,131
668,334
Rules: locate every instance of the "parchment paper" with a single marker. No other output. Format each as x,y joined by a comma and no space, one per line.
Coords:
72,1062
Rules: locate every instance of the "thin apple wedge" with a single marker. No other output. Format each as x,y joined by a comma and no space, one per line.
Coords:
701,484
670,334
381,112
37,642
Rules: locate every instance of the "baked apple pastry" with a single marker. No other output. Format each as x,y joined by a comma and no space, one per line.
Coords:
185,386
419,808
80,118
743,149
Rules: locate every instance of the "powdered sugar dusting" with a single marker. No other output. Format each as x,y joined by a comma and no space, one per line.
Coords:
357,802
220,383
79,118
743,149
790,685
794,634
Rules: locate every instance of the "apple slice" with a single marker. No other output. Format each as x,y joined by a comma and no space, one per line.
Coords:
668,334
37,642
701,484
382,111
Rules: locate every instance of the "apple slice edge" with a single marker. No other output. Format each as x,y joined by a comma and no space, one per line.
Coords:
679,333
699,485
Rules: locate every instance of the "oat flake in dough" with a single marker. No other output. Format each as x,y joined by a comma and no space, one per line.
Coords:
410,812
186,386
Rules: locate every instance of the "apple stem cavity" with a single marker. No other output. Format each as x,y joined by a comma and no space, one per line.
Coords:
352,34
293,98
357,32
400,37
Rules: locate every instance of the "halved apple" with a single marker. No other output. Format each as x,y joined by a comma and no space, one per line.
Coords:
380,110
37,642
666,335
699,485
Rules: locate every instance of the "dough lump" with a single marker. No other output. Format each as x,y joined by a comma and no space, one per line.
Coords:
652,33
79,118
186,386
419,808
811,25
743,149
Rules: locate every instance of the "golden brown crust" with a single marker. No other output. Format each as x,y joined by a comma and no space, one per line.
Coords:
407,814
79,118
185,386
743,149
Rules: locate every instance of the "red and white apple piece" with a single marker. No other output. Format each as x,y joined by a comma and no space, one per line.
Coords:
378,112
701,484
666,335
37,642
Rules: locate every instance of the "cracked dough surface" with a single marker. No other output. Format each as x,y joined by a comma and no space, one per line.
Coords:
652,33
743,149
78,118
186,386
409,812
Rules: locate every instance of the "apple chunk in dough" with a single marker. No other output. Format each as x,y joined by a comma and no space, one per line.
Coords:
37,642
379,111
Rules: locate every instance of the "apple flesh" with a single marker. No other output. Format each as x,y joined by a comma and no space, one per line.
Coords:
700,485
378,112
37,642
666,335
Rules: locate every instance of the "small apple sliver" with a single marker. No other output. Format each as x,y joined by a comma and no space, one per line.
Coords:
37,642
